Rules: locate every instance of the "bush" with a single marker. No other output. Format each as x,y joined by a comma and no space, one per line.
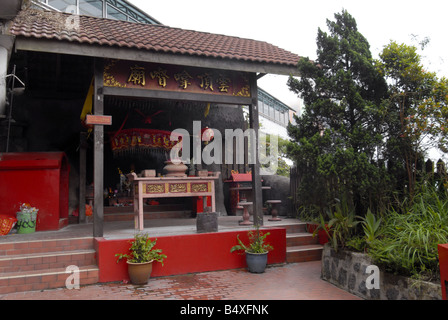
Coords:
408,245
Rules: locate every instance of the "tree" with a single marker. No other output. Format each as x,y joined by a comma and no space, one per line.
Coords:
417,108
338,137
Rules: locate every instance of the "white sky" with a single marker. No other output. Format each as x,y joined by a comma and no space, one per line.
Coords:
293,24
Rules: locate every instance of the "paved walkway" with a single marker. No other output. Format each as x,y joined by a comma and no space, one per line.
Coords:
296,281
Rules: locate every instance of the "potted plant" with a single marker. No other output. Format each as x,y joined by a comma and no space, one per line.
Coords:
321,229
140,258
26,218
256,251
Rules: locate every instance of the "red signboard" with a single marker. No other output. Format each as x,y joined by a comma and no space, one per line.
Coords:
151,76
96,119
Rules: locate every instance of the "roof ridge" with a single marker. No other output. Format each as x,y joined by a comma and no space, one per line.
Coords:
142,24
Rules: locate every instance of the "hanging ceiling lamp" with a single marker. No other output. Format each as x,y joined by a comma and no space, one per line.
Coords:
207,135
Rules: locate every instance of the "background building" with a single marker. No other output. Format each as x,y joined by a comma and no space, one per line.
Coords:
110,9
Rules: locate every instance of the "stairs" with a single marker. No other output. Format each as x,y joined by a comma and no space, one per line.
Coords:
300,245
41,264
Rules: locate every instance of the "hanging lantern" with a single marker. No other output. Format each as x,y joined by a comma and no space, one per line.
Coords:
207,135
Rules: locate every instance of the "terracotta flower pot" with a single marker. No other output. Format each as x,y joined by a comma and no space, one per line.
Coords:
139,273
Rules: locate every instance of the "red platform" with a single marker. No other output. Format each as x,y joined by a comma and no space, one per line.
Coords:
40,179
187,253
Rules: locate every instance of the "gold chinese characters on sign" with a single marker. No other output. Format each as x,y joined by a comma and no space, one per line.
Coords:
183,79
178,187
155,188
199,187
121,73
137,76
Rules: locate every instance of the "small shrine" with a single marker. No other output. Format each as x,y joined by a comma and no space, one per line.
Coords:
139,90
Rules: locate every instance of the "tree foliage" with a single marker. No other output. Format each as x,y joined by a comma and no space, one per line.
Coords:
337,137
367,123
417,107
365,129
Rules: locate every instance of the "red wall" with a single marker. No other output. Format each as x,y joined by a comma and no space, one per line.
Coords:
187,253
443,265
40,179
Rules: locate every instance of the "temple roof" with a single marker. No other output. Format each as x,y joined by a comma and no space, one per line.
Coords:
148,42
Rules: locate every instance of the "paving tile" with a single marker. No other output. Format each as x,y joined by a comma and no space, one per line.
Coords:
296,281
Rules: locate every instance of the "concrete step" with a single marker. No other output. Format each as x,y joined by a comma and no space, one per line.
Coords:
301,246
304,253
291,227
46,260
301,238
21,247
42,264
45,279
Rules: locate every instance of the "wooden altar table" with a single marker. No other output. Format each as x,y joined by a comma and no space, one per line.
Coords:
169,187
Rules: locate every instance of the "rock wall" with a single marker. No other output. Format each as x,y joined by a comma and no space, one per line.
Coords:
347,270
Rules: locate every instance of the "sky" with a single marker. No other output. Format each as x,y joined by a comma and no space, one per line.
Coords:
293,24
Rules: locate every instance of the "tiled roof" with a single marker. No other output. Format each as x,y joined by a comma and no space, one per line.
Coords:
156,38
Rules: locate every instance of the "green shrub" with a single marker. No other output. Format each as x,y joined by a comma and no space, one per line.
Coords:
408,244
371,230
341,224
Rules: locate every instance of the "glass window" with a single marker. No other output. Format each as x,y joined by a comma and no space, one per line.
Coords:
91,8
281,118
113,13
63,5
277,115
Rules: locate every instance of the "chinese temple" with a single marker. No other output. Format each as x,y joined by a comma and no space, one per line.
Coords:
104,87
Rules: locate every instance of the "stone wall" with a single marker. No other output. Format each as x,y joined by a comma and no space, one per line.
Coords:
347,270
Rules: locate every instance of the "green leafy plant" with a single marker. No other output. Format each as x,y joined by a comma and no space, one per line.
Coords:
257,242
142,250
340,226
409,242
371,231
371,226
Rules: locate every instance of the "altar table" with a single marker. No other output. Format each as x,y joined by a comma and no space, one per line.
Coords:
166,187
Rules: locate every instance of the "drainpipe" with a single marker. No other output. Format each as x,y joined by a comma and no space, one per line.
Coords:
9,9
3,70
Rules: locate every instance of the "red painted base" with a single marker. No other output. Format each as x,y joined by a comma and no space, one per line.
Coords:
187,253
40,179
443,265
